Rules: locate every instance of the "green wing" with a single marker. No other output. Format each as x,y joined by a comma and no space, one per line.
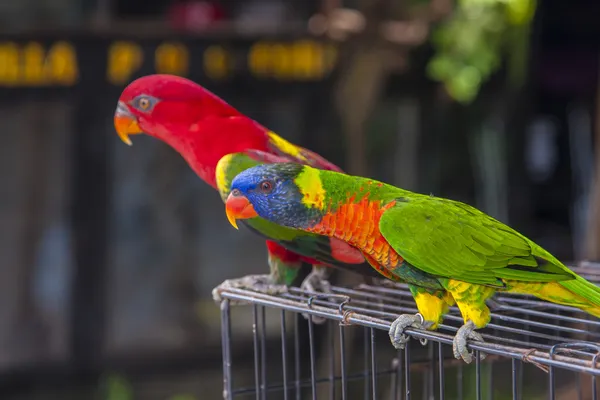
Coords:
451,239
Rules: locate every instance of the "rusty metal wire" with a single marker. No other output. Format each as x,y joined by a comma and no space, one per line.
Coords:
525,335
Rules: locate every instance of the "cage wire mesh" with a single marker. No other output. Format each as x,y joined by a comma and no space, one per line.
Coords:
534,349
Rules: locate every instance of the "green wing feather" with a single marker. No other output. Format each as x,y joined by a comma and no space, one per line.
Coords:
454,240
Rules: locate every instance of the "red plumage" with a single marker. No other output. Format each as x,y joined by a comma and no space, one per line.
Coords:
203,128
199,125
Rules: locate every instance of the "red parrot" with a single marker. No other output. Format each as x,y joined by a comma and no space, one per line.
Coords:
203,128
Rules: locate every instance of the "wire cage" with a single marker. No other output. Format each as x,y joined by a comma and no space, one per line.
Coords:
533,349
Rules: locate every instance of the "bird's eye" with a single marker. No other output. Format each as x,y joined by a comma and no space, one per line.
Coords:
144,103
265,186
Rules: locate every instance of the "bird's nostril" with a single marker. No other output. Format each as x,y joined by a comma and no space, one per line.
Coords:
235,192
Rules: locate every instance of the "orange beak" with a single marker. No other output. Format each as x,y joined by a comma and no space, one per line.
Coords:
126,123
238,207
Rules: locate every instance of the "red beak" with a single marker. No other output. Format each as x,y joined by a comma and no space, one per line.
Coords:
238,207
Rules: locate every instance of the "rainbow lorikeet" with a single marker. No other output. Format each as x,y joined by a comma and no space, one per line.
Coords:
327,249
203,128
446,250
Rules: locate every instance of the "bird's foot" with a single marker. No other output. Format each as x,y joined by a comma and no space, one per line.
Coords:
397,335
459,344
316,282
259,283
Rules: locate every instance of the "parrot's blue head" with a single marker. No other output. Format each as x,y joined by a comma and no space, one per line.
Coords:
269,191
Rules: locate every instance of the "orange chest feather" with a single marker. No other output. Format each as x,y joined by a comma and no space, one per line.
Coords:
358,224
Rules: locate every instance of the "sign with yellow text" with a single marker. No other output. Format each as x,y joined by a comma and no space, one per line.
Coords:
60,63
33,64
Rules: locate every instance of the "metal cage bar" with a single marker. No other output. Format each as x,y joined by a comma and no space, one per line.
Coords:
525,335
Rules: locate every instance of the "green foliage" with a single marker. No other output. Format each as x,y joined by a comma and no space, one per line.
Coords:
116,387
471,44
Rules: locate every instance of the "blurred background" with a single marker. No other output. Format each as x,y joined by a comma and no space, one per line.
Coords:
109,253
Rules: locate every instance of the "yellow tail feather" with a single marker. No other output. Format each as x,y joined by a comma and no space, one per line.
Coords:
574,293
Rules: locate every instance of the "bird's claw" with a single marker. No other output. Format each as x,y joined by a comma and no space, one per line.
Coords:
258,283
396,332
316,281
459,344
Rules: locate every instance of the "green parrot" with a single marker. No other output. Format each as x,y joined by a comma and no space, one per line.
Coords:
447,251
329,251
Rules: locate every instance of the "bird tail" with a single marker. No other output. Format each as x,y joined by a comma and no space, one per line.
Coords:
576,292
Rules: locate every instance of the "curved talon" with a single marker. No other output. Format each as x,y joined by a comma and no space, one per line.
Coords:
316,280
216,294
459,344
313,284
227,284
258,283
315,319
396,332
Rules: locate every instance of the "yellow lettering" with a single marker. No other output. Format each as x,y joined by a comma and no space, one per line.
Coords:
172,58
307,60
9,64
258,59
61,64
216,62
302,60
124,58
282,63
33,64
